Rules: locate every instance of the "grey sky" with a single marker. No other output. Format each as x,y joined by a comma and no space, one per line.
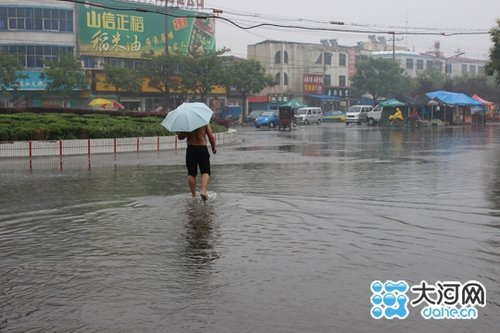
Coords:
373,15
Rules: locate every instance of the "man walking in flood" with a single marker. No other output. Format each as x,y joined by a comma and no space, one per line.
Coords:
197,156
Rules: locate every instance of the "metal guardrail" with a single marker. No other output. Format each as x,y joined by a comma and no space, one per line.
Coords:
100,146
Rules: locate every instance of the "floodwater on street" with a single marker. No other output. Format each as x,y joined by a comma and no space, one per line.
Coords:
298,227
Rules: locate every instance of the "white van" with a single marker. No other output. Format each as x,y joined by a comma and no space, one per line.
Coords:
373,117
357,114
309,115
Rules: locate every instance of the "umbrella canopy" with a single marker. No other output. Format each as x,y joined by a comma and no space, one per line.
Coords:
294,104
187,117
115,105
100,102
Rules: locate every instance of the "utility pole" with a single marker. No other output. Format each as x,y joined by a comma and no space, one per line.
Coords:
393,33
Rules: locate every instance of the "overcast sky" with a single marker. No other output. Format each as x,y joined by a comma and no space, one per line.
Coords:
429,16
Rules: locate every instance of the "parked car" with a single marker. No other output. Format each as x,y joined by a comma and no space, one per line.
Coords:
250,118
357,114
373,117
267,118
309,115
334,116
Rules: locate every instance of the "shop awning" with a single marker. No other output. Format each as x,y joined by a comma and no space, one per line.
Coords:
479,99
325,98
257,99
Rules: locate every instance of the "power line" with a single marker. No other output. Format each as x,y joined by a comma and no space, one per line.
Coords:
162,11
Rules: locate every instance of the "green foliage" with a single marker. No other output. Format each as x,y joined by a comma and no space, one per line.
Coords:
9,75
123,79
59,126
203,71
428,80
64,76
247,77
493,67
381,78
162,73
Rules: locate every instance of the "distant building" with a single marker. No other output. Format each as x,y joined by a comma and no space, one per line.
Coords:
320,72
414,63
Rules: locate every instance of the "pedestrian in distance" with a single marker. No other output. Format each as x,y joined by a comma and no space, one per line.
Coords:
396,118
197,156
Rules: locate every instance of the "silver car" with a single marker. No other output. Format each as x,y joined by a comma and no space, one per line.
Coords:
357,114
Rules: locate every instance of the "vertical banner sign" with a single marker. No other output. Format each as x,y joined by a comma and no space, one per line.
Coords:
190,34
130,33
313,84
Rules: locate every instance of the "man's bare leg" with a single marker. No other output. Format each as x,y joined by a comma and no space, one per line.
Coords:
204,185
192,185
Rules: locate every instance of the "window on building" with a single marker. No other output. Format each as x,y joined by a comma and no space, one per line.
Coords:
277,57
33,56
420,64
320,59
328,58
464,69
342,81
409,63
285,57
277,79
472,69
449,68
285,79
327,80
428,64
342,60
50,19
90,62
36,19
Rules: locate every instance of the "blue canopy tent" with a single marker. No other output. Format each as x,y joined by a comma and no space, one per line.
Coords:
452,99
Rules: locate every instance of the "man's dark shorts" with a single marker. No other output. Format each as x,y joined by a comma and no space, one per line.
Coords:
197,156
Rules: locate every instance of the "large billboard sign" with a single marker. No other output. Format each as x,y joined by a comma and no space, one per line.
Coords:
110,32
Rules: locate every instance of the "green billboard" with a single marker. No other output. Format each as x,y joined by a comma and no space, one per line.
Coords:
126,30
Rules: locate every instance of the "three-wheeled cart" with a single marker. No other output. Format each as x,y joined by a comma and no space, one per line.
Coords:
285,118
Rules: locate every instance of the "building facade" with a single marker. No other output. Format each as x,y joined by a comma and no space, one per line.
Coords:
414,63
35,32
115,33
306,71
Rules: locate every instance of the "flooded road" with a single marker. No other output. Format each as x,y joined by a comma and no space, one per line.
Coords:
300,225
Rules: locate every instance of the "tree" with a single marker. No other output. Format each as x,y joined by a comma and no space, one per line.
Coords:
64,76
162,72
247,77
380,78
493,67
428,80
202,72
9,73
122,79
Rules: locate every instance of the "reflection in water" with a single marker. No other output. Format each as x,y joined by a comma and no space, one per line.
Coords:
199,234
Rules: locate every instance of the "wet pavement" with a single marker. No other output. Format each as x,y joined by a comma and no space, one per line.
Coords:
299,225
